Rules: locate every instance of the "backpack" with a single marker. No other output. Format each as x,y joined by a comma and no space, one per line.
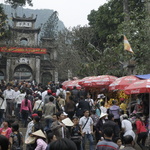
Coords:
62,93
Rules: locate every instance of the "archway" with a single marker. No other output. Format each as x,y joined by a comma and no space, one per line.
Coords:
24,41
23,72
46,77
1,75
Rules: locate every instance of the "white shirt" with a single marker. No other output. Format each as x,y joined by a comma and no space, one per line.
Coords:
103,109
2,103
8,94
16,93
87,128
91,102
20,97
59,92
43,95
37,104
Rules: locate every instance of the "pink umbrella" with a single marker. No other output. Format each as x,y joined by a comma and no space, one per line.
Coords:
86,79
123,82
71,84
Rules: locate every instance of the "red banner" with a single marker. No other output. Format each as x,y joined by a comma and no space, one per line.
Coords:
23,50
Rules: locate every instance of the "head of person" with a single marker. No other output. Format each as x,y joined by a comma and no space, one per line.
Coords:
9,86
75,120
93,111
74,87
16,89
60,86
88,96
36,119
63,144
118,141
49,92
4,143
108,133
114,102
6,123
54,117
60,95
111,117
86,113
15,127
51,137
125,116
60,115
128,139
51,98
102,103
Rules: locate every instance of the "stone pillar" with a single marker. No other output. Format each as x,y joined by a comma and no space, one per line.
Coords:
56,76
8,64
37,69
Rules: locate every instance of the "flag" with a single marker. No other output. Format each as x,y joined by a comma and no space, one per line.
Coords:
127,46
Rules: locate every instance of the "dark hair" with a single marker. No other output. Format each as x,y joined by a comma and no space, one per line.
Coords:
114,102
8,122
50,137
59,113
60,86
51,98
85,110
63,144
93,111
128,139
116,139
102,103
110,116
75,118
4,142
26,100
37,118
108,132
74,87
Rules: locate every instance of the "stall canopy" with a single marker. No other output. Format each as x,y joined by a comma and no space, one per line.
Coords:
144,76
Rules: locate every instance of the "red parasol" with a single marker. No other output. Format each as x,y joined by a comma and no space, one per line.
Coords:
142,86
103,80
123,82
86,79
71,84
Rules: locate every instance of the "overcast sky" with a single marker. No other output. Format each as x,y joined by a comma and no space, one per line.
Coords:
71,12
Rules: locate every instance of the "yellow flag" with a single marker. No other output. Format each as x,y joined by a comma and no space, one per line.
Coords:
127,46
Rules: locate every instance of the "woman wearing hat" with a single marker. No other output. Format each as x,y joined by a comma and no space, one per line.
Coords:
40,140
99,126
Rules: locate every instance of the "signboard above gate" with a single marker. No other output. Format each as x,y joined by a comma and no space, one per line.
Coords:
23,50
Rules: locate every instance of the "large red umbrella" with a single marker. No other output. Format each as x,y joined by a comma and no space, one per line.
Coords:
86,79
142,86
123,82
103,80
71,84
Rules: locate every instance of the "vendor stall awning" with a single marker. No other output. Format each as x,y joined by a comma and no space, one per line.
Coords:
144,76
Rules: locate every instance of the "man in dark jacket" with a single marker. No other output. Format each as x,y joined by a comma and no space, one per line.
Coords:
111,124
75,94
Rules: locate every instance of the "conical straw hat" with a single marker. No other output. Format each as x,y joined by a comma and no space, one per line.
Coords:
67,122
30,140
39,133
103,114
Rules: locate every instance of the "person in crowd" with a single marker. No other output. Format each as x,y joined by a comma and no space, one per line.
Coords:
129,143
86,124
119,142
103,108
97,109
76,136
107,143
9,96
83,105
115,110
58,128
90,101
141,132
40,140
4,143
18,100
16,138
37,124
70,107
127,126
61,91
26,109
99,126
44,93
38,106
63,144
2,107
49,110
61,101
75,94
111,124
82,93
47,96
6,130
51,138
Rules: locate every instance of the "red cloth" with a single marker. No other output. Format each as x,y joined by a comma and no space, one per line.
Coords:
140,126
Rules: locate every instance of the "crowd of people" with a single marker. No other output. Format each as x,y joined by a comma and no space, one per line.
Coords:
58,119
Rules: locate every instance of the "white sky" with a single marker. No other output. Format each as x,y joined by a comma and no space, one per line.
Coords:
71,12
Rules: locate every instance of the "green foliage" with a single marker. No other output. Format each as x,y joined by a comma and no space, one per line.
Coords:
50,28
16,3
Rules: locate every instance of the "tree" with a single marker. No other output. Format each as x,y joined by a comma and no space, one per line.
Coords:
50,28
16,3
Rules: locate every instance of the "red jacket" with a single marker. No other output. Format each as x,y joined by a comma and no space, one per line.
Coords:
140,126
